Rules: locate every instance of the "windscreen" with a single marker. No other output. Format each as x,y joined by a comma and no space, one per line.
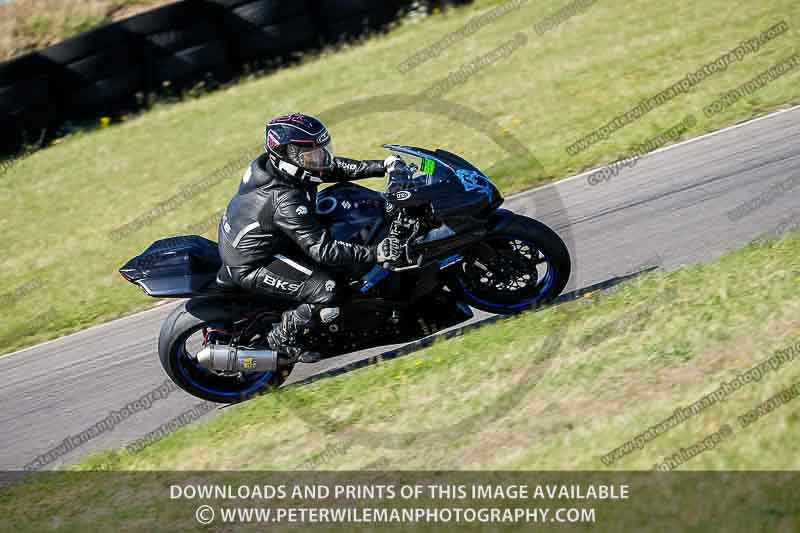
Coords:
426,170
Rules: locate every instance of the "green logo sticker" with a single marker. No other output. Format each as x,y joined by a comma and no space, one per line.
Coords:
428,166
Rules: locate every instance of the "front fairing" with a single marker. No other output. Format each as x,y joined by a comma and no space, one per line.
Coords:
451,185
460,196
450,181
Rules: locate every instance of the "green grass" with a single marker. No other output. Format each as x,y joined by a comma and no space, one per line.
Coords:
62,202
550,390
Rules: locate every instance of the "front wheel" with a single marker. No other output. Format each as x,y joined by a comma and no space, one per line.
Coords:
184,333
521,265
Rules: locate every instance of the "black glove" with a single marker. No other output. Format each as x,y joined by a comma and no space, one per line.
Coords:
388,250
394,162
397,171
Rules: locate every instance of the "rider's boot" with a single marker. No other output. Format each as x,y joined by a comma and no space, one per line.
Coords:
285,335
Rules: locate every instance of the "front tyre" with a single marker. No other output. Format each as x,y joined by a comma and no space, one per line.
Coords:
519,265
184,333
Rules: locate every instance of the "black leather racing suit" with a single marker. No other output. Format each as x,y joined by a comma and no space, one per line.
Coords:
267,225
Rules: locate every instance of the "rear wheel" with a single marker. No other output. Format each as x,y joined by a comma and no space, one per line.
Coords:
524,265
184,333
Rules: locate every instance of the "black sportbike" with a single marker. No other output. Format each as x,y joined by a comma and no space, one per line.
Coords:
460,250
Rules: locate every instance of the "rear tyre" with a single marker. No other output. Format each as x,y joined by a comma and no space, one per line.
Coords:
520,265
184,333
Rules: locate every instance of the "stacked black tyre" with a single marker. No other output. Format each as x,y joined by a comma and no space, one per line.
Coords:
344,20
270,30
184,43
100,72
28,100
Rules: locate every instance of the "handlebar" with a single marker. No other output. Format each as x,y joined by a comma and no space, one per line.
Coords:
401,176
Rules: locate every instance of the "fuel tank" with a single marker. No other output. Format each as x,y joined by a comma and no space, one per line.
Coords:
352,212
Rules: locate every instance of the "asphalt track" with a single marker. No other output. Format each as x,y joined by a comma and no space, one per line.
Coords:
670,208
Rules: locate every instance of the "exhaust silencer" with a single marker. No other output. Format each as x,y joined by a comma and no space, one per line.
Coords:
233,359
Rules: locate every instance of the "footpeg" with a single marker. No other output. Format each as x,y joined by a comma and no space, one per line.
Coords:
310,357
300,355
233,359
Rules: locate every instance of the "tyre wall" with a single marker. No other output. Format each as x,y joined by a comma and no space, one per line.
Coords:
107,70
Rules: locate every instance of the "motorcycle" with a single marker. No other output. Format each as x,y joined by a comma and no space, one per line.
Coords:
460,250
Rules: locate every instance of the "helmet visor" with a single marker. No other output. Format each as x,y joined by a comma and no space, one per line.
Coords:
316,158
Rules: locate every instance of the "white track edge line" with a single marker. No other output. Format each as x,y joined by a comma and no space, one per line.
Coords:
662,149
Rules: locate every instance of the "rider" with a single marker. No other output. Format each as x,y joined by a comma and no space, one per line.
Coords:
271,222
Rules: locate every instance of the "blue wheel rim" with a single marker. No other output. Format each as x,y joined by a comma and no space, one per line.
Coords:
549,280
184,361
